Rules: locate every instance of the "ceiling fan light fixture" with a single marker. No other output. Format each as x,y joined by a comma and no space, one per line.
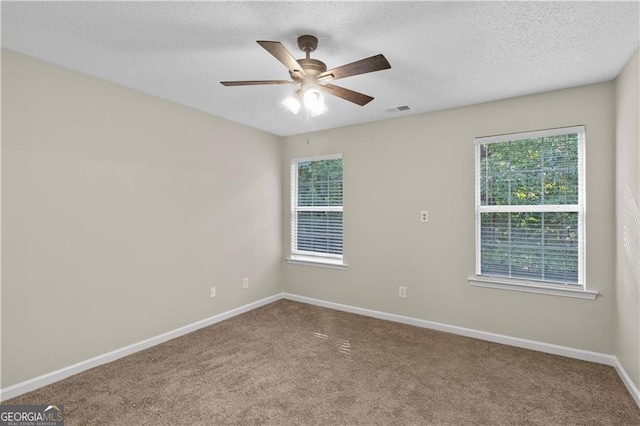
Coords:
292,104
319,109
314,102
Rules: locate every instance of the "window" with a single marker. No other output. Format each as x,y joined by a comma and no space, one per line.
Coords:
316,209
530,208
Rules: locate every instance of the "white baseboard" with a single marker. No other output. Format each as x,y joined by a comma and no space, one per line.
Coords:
580,354
477,334
46,379
631,387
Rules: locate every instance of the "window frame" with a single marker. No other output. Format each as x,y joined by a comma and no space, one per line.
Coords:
579,289
303,257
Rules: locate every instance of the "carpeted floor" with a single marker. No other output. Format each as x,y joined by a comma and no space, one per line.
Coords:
289,363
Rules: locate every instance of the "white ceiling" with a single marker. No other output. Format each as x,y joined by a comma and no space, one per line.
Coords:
442,54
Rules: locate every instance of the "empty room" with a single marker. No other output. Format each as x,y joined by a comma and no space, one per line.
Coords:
320,213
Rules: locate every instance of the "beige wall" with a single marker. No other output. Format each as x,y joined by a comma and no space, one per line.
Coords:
120,210
395,168
627,329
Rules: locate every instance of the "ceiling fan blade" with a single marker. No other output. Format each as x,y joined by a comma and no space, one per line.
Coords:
255,82
363,66
282,54
350,95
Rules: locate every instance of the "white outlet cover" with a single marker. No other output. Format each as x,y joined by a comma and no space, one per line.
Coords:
424,216
402,291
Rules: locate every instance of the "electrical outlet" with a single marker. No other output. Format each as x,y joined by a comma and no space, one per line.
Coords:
424,216
213,292
245,282
402,291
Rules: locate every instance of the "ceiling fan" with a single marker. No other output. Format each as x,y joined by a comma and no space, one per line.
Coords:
312,74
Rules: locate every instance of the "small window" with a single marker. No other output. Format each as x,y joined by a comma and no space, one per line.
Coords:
316,209
530,207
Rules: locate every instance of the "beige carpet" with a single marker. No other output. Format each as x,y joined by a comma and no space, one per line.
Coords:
289,363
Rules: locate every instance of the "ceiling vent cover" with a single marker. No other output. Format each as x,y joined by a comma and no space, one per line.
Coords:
398,108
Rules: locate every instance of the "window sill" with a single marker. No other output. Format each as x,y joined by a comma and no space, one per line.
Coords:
528,287
318,262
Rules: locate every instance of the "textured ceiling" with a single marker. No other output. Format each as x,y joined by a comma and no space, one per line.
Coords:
442,54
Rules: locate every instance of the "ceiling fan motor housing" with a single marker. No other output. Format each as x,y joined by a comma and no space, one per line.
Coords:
312,67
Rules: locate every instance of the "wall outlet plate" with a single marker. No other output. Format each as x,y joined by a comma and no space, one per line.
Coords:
424,216
402,291
245,282
213,292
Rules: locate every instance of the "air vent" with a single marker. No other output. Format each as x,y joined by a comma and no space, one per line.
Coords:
398,108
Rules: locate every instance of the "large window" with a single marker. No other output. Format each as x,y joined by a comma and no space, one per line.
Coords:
530,207
316,209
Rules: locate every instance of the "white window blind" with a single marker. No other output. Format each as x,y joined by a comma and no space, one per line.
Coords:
316,207
530,206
